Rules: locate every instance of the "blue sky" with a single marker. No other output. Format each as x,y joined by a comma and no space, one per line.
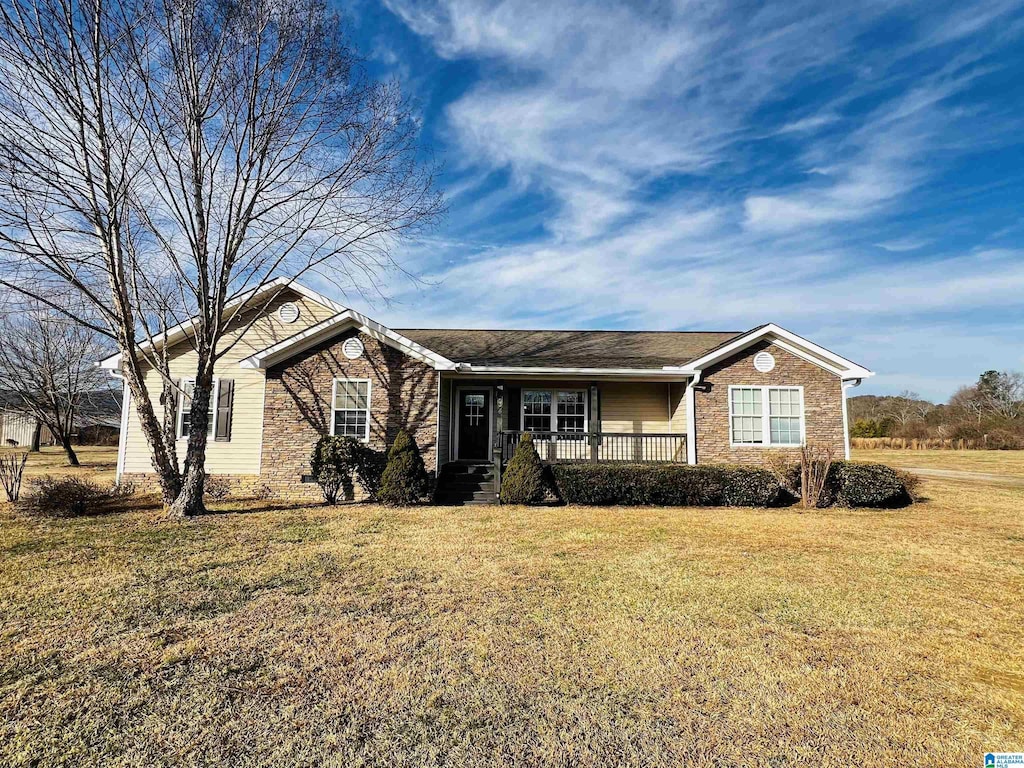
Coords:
851,171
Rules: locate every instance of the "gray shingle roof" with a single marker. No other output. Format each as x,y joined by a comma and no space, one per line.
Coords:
568,349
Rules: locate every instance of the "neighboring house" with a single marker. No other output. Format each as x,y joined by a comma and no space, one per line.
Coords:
16,427
97,422
310,366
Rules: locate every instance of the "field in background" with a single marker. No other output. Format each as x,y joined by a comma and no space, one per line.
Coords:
511,636
921,443
1009,463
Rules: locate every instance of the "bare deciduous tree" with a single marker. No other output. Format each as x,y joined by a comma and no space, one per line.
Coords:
1001,393
904,407
48,363
161,159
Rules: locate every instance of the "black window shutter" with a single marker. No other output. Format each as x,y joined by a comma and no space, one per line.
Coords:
174,392
225,399
513,402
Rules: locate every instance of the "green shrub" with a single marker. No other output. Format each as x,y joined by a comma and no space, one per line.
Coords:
523,479
405,480
333,463
673,485
370,466
854,484
63,497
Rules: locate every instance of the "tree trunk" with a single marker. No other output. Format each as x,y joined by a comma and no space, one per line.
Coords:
190,498
37,434
161,453
189,501
65,443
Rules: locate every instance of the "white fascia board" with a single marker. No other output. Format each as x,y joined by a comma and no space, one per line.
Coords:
337,324
808,350
491,370
277,284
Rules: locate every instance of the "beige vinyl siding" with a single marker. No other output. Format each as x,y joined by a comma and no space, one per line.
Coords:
642,407
677,393
240,455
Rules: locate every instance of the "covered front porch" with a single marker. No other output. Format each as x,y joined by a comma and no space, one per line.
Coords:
569,420
482,420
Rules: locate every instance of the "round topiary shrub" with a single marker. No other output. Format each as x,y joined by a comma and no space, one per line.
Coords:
405,480
523,479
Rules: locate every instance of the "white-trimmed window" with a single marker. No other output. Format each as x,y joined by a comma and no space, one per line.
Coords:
185,408
772,416
350,413
555,410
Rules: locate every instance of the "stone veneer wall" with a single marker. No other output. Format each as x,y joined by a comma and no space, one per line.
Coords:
297,407
823,404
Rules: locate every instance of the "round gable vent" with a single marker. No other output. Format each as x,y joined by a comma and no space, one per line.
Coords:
288,312
764,362
352,348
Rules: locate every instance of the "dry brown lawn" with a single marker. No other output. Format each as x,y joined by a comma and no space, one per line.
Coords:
362,636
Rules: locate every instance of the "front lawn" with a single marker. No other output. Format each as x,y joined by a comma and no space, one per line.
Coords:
511,636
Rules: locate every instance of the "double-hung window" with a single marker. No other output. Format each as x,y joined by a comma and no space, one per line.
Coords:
350,414
771,416
536,411
558,410
572,411
185,408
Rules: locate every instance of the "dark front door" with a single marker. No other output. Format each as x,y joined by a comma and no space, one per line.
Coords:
474,424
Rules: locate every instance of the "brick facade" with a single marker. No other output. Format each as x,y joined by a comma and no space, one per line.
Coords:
297,407
823,403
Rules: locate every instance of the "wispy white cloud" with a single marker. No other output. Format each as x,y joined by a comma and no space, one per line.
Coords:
903,245
641,134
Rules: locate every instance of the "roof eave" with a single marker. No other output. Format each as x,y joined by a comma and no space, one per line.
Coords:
798,345
334,325
180,331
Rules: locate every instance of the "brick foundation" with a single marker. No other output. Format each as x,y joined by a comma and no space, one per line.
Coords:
823,404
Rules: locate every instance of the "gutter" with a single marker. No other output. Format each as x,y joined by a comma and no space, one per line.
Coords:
667,372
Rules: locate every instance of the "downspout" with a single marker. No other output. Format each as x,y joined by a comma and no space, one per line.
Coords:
847,384
122,440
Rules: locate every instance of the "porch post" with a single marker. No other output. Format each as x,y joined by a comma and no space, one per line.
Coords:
594,424
501,419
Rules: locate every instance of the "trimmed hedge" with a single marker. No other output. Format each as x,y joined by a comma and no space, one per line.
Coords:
849,484
523,479
856,484
668,485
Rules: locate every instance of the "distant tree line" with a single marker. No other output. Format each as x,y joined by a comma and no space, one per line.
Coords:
989,412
